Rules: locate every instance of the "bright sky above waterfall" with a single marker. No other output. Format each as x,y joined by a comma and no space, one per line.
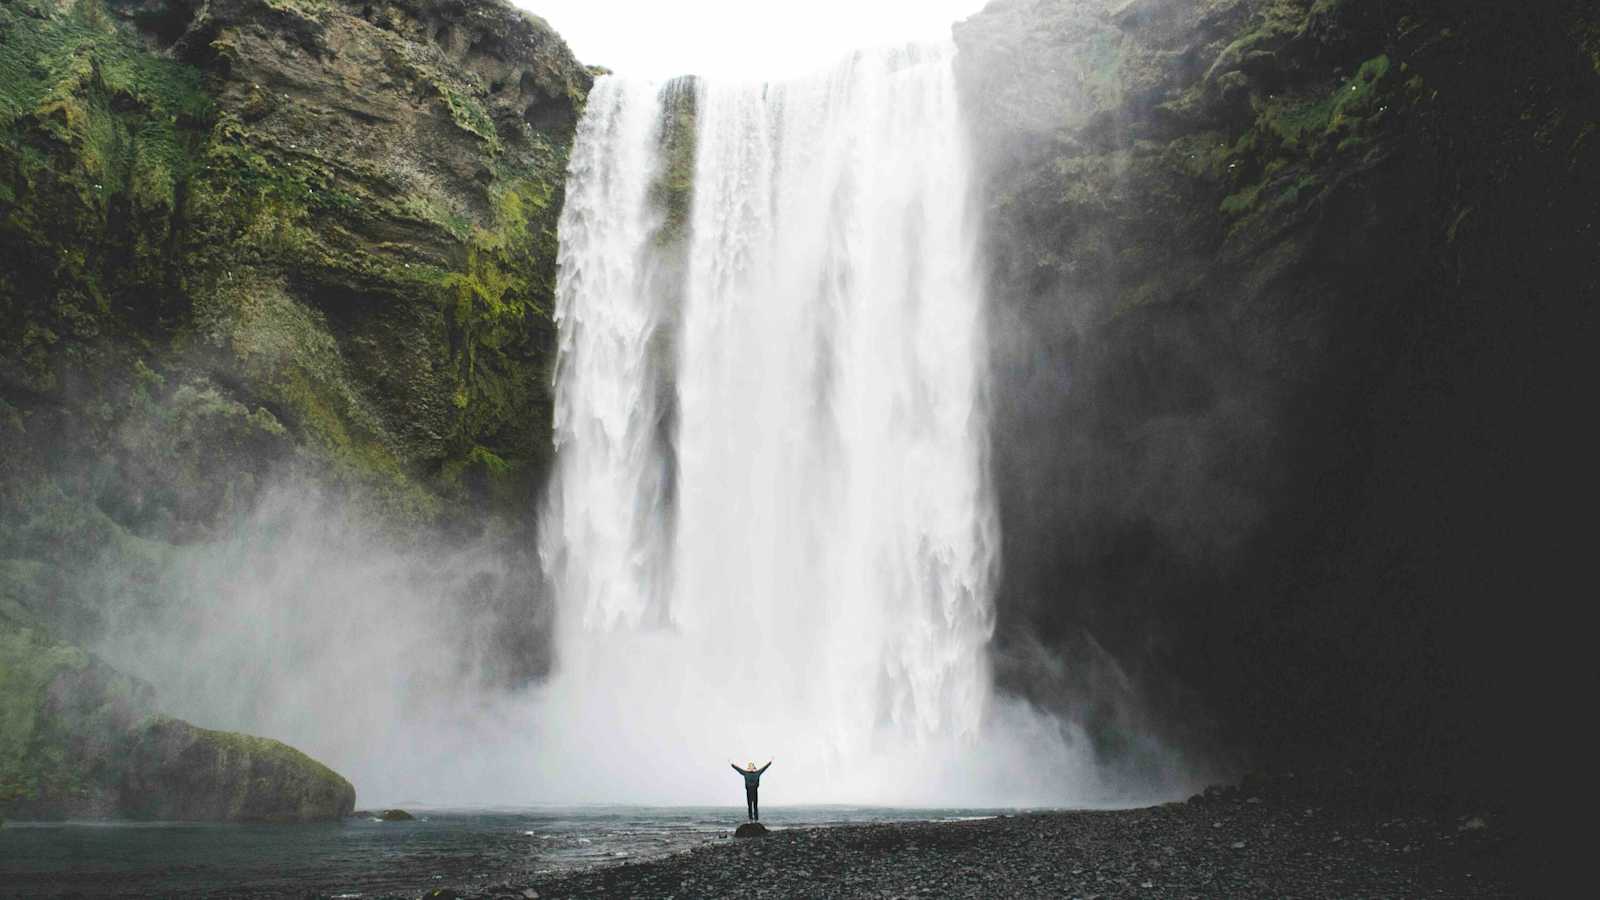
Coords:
746,39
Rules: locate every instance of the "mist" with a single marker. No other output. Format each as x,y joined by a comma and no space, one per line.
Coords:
836,617
308,624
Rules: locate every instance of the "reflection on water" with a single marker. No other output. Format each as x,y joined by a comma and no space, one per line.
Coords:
368,858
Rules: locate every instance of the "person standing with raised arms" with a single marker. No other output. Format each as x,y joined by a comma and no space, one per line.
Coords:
752,783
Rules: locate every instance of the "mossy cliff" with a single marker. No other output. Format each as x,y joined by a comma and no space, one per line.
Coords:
78,739
1286,294
340,217
250,242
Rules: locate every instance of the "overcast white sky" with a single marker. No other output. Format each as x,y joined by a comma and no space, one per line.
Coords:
746,39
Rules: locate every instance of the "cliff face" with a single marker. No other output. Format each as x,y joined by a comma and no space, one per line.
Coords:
1285,310
248,242
336,221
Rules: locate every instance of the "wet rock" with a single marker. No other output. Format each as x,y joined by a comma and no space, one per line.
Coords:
396,815
751,830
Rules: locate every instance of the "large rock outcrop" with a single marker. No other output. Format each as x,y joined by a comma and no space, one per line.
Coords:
176,771
1285,323
79,739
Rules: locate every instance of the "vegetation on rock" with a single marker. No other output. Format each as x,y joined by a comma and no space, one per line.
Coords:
176,771
244,209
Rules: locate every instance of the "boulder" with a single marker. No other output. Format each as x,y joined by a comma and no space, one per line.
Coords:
78,739
396,815
751,830
178,771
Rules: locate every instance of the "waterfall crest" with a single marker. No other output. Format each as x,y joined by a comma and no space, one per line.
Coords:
770,529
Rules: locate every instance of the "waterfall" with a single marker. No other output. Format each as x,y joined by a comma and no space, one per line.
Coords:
770,529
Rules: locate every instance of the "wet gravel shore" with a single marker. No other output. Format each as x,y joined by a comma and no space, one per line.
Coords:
1266,840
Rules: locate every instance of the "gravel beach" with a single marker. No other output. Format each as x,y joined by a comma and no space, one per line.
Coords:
1266,840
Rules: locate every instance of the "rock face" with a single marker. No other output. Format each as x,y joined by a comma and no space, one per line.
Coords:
249,242
750,830
79,740
337,219
1283,300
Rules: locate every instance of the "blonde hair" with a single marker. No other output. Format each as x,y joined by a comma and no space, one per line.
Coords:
752,764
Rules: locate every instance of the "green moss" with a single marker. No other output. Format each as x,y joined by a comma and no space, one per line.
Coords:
22,586
673,190
1204,156
314,10
232,747
79,79
470,116
1272,24
1305,186
184,772
1585,27
293,359
1298,129
1241,202
97,135
1300,124
45,726
31,761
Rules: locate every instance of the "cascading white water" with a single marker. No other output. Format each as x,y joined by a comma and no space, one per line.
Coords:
603,530
835,536
803,566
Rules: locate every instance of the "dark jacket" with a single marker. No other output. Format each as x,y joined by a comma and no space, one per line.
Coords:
752,780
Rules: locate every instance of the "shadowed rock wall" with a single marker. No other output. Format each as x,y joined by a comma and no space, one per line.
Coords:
1288,302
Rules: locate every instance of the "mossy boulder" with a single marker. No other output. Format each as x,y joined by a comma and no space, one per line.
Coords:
175,771
79,739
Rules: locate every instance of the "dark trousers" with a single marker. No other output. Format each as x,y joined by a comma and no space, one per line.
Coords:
750,801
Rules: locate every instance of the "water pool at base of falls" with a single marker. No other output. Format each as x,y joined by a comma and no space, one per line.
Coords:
361,857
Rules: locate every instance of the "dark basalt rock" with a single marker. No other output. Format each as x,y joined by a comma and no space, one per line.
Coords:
1281,342
396,815
750,830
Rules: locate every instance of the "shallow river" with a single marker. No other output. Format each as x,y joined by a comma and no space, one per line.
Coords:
367,858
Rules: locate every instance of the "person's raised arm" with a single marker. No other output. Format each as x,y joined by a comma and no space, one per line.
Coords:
736,767
765,767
